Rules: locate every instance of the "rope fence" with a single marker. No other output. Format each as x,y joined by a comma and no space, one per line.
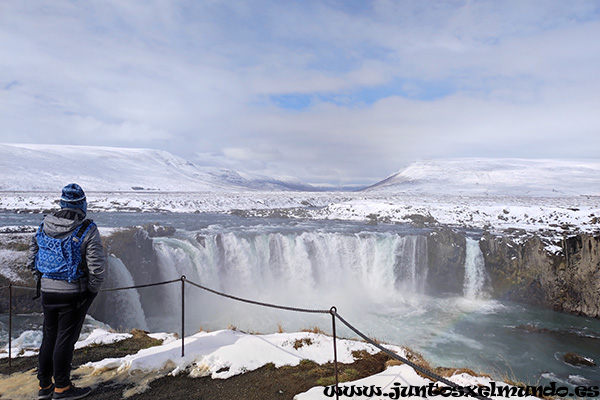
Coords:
332,311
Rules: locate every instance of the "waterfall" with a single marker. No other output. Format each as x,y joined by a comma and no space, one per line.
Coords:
122,309
306,269
312,262
175,258
411,262
475,275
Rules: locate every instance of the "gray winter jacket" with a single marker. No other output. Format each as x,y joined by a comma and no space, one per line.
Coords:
60,225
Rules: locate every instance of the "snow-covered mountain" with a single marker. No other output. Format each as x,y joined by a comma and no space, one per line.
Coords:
35,167
504,177
29,167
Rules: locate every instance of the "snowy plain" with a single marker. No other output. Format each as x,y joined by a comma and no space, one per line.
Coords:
549,216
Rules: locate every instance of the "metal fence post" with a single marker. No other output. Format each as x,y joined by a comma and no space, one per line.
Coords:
10,326
182,314
333,311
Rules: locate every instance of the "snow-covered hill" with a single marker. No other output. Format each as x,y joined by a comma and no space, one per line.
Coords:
35,167
504,177
28,167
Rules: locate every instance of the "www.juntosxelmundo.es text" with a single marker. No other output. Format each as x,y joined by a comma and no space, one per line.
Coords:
397,391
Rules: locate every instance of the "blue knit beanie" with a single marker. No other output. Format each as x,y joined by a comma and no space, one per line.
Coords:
73,197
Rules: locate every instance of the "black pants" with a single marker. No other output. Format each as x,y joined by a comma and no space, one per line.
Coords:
64,314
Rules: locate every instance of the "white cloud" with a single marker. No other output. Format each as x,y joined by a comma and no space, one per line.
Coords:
125,132
374,87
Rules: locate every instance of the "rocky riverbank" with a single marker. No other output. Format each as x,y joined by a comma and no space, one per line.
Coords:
562,274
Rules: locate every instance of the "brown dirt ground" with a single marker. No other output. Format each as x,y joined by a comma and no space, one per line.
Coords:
265,383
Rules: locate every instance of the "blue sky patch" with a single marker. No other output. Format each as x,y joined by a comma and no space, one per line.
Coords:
410,89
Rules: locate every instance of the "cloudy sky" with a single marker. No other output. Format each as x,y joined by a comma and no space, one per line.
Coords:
329,91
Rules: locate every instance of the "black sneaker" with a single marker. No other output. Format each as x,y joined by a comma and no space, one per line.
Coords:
44,394
73,393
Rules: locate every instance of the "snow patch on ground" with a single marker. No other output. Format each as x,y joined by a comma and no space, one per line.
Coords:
562,215
223,354
101,336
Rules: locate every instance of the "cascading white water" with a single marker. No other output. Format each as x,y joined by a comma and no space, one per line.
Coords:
123,308
475,275
175,258
309,269
411,262
312,262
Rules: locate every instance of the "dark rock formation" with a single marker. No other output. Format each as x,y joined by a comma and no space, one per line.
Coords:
527,272
516,269
134,247
576,359
446,252
579,276
155,230
14,243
